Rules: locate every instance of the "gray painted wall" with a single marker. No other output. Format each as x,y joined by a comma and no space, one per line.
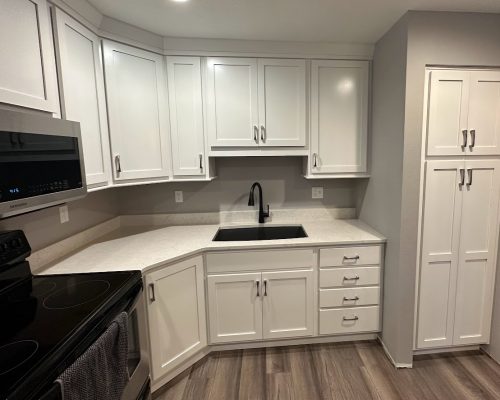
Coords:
43,227
380,206
281,178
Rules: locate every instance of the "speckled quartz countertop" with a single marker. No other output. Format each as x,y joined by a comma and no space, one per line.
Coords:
148,248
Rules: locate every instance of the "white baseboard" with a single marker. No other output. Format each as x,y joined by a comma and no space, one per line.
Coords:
389,356
439,350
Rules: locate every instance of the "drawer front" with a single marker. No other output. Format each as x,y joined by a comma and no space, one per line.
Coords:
349,320
349,297
348,256
260,260
349,277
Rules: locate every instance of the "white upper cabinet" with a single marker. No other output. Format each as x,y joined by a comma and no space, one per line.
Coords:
477,256
463,113
186,115
339,115
484,113
232,102
138,113
447,114
82,94
256,102
176,311
282,102
27,62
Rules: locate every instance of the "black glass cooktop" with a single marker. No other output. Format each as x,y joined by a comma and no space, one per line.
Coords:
45,320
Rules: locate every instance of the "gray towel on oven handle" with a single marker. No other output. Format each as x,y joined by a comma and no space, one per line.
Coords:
101,372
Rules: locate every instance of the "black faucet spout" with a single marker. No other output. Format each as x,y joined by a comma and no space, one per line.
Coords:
262,214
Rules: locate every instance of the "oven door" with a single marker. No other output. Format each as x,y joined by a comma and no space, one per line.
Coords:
138,356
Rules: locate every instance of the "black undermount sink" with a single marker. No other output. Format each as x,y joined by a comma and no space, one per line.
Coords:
260,233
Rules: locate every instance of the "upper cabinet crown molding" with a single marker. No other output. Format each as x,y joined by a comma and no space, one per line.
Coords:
27,62
82,93
339,117
463,113
138,112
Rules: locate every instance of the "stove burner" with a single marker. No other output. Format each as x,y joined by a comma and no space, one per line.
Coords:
14,354
76,295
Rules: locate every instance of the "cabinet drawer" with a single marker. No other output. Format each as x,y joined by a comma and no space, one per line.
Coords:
347,256
349,297
349,320
259,260
349,277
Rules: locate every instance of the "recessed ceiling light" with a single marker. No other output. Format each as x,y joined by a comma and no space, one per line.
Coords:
180,1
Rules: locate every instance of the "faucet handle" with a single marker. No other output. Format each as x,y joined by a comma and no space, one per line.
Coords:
267,212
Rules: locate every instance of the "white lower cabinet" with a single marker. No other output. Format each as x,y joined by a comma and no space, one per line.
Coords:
176,314
288,298
234,307
349,294
459,245
267,305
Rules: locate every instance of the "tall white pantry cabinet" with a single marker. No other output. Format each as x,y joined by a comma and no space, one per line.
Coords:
460,208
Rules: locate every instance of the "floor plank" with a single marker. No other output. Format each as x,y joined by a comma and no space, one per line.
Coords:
350,371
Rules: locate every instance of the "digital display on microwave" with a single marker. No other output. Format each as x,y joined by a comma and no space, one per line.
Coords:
35,164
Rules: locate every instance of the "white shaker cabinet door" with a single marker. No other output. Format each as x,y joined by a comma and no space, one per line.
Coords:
232,102
440,252
282,102
82,94
447,113
138,114
176,314
186,115
234,307
27,62
288,301
477,261
484,113
339,115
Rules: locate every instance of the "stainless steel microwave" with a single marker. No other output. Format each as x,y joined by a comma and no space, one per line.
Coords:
41,162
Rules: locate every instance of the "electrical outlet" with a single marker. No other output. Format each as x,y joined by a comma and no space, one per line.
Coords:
64,214
317,192
178,196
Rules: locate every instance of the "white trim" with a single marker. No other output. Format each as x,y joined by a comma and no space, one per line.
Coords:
445,350
389,356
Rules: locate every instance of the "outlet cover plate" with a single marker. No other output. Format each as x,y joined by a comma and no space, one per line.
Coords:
317,192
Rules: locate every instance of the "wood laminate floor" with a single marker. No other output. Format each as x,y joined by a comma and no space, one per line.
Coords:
334,371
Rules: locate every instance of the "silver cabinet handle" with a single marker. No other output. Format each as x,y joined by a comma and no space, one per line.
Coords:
356,278
464,135
355,318
462,177
315,160
354,258
118,165
258,288
472,138
201,162
256,133
351,298
469,174
265,287
152,296
263,134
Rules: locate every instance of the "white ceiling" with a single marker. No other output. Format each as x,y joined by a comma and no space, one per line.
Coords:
354,21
